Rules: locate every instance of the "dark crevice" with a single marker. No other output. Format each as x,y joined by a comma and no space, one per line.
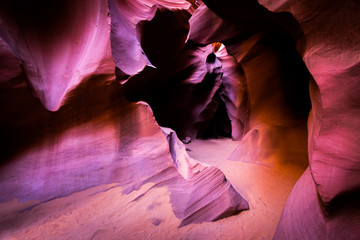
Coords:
220,124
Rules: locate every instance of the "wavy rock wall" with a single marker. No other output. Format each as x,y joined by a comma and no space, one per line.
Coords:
64,53
98,138
127,52
181,92
331,56
92,136
57,44
275,80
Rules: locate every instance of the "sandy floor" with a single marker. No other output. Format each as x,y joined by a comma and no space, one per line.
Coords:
104,213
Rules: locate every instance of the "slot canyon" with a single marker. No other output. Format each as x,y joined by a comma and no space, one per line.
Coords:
187,119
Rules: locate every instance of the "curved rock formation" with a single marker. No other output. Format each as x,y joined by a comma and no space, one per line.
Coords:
275,95
333,58
250,70
113,141
183,95
97,138
58,43
206,195
127,52
330,55
304,218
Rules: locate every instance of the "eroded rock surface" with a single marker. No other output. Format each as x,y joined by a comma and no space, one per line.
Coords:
331,56
58,43
206,195
183,94
274,90
99,140
257,85
127,52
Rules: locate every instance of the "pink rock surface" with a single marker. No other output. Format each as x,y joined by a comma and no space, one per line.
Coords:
258,86
127,52
332,55
99,138
235,96
58,43
181,92
206,195
332,58
303,217
49,155
275,100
